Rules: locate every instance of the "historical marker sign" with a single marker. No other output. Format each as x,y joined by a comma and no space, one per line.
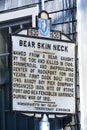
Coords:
43,70
43,75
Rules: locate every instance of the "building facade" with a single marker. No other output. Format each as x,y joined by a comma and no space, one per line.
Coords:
18,14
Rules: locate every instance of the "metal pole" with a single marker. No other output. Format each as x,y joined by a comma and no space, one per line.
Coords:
42,4
44,123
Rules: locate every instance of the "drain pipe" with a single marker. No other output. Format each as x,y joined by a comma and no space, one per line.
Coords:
44,123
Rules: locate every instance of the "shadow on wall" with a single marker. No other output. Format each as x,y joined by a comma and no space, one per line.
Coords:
4,76
4,72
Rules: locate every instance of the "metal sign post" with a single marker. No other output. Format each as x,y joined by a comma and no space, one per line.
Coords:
44,123
42,3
